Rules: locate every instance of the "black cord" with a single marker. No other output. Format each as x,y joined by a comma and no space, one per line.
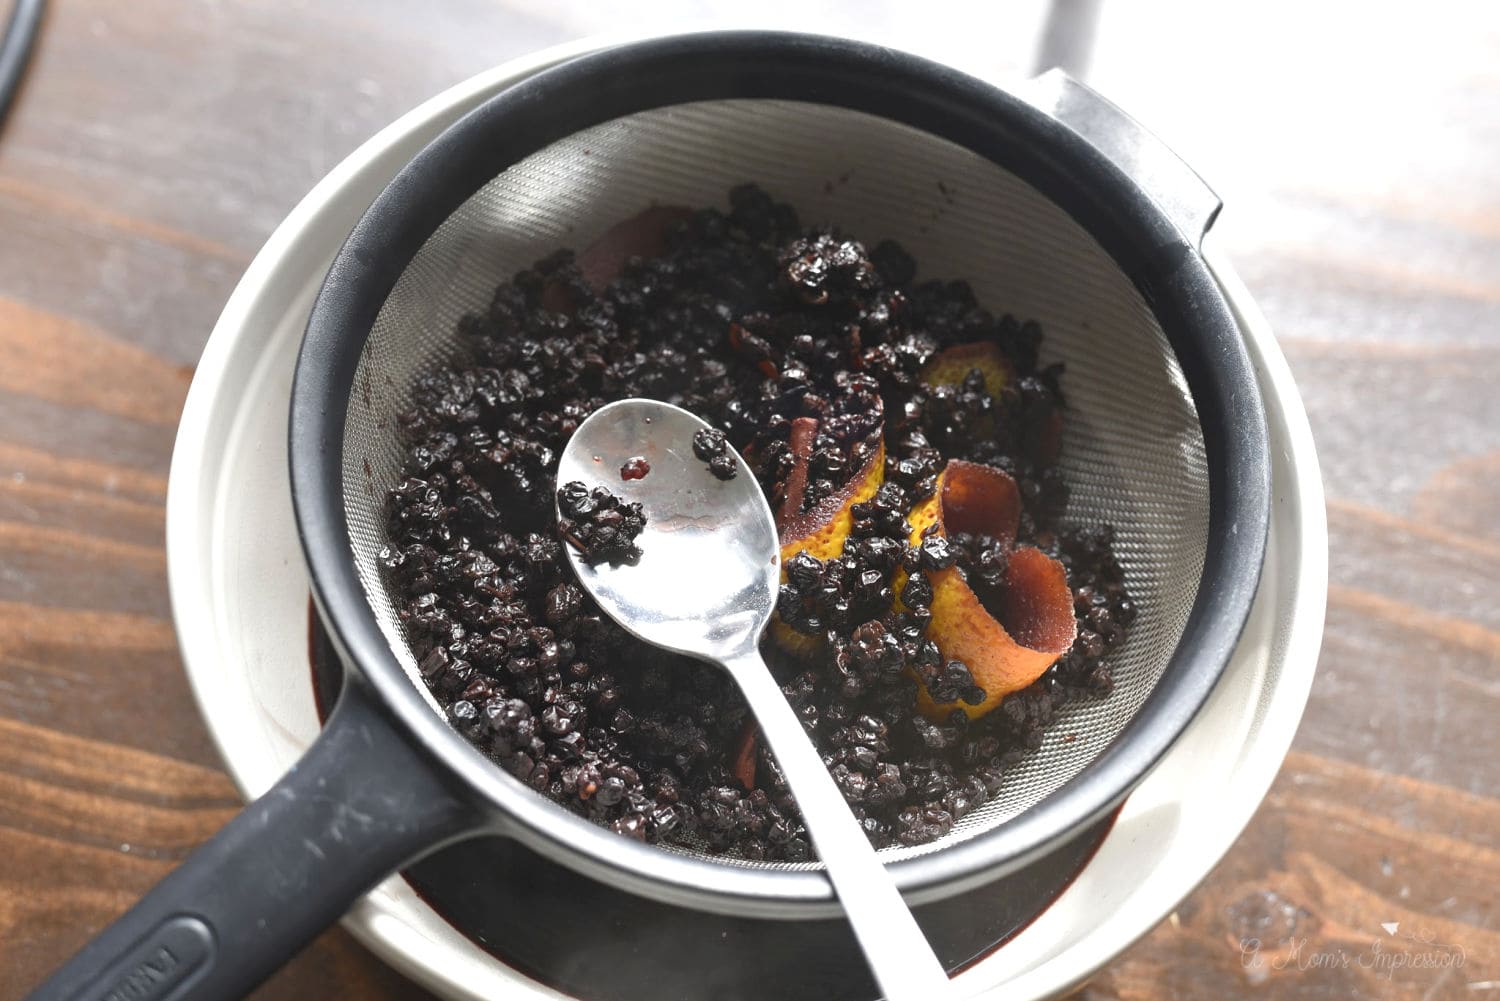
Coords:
15,49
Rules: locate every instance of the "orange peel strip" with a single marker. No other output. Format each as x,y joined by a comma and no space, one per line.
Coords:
803,646
601,262
1049,439
1036,624
820,531
743,762
642,235
952,366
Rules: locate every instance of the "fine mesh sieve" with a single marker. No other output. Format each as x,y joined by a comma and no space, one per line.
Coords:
1133,452
1062,210
1096,238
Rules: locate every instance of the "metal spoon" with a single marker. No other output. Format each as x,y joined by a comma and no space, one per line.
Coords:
705,585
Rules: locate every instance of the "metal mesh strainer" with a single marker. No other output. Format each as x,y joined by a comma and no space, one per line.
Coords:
1164,437
1095,237
961,216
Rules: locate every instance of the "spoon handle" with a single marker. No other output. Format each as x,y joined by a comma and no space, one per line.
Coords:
894,945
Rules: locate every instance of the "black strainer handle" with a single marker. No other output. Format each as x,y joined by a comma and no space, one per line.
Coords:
1160,173
360,804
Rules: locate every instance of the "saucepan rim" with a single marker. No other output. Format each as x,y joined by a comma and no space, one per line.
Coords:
1163,262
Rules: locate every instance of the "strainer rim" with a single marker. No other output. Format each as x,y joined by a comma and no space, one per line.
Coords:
1163,262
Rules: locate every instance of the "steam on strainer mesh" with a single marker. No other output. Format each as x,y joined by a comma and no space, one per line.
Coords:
1133,453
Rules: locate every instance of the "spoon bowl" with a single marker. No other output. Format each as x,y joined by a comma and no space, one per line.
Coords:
707,576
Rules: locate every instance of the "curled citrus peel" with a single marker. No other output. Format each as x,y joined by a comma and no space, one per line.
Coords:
1049,440
821,530
952,366
643,235
1035,624
743,761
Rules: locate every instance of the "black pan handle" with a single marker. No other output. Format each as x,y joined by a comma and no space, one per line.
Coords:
360,804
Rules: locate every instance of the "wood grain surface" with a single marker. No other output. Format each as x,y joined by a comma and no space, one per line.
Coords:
157,143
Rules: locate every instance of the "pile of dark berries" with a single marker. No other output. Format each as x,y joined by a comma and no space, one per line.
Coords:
752,322
598,524
712,446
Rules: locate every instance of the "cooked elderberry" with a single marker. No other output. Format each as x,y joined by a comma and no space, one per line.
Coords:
608,529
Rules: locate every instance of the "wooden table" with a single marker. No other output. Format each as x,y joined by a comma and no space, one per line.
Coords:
158,142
